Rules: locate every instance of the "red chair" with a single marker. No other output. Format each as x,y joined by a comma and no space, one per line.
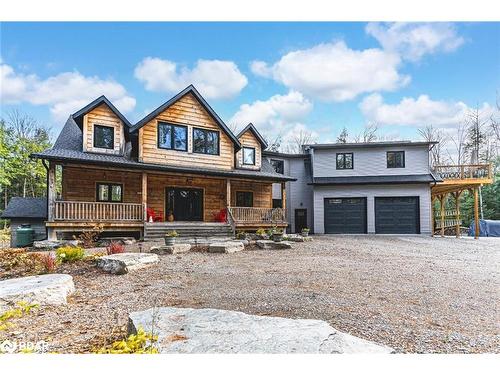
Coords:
221,216
155,216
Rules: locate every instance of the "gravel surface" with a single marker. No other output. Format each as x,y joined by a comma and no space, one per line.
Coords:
415,294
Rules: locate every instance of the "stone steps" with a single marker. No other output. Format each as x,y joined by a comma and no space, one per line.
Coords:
192,230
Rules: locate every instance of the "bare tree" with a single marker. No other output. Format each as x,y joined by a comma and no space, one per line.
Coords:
369,134
431,134
343,136
274,144
303,137
233,127
476,135
458,140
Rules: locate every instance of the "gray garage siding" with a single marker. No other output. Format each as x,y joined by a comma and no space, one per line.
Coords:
370,192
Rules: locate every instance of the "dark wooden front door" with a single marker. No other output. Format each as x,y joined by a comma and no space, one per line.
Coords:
300,219
185,203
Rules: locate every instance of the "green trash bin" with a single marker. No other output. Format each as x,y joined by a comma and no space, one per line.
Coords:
24,235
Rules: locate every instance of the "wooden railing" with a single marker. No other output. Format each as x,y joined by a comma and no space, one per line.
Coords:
97,211
257,215
450,219
464,171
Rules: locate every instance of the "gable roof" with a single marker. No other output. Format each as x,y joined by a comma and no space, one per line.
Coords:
255,132
189,90
19,207
96,103
70,137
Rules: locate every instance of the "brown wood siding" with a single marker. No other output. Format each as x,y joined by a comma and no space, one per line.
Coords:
247,139
214,192
189,112
262,192
79,184
102,115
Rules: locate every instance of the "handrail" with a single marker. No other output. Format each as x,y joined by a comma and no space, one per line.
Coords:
464,171
230,220
257,215
97,211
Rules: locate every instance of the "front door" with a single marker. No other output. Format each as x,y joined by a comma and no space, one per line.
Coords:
186,204
300,219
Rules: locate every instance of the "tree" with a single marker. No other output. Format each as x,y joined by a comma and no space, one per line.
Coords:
458,140
299,139
343,136
431,134
369,134
476,136
273,144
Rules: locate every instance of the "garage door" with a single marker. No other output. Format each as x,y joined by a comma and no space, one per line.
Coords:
397,215
345,215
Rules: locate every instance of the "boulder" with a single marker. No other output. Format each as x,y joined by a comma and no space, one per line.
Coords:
226,247
52,245
187,330
271,245
297,238
119,264
51,289
176,249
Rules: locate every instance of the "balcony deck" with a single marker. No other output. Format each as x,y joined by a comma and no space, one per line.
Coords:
461,177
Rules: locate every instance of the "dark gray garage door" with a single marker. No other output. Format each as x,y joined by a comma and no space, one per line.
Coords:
345,215
397,215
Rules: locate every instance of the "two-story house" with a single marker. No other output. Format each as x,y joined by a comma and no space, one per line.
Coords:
179,164
378,187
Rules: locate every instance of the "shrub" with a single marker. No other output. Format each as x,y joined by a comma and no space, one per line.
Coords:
89,237
23,308
261,232
241,235
305,230
140,343
115,248
70,254
20,263
49,262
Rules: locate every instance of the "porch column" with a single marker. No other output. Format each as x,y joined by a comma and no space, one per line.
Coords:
283,197
145,195
476,213
457,213
51,199
432,216
228,193
442,199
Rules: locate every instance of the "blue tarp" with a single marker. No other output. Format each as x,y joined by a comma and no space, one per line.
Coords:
487,228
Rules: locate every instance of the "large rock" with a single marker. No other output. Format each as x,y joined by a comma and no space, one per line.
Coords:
49,289
122,263
272,245
297,238
175,249
186,330
226,247
52,245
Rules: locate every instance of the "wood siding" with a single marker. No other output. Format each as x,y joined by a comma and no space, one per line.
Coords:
79,184
262,192
102,115
189,112
247,139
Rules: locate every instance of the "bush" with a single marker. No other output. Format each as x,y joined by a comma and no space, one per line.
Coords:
115,248
70,254
49,261
241,235
89,237
19,263
260,232
140,343
23,308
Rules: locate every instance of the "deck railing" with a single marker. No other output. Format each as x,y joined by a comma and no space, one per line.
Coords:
242,215
97,211
464,171
450,219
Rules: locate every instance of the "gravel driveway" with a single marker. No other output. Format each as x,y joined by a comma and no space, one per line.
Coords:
416,294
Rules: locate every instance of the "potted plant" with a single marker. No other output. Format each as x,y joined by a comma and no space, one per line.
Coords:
170,238
277,235
305,232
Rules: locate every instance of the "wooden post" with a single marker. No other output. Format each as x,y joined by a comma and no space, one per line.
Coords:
432,216
283,197
228,193
476,213
51,199
442,199
145,195
457,213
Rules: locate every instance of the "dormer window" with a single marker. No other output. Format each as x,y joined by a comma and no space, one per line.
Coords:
248,156
104,137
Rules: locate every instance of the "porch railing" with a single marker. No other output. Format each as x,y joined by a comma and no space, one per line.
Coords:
97,211
464,171
450,219
242,215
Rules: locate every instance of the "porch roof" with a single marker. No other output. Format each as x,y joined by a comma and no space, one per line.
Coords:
267,172
370,180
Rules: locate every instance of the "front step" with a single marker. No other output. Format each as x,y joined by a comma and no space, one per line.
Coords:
187,230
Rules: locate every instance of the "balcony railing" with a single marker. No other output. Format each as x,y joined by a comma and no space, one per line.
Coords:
464,171
97,211
255,215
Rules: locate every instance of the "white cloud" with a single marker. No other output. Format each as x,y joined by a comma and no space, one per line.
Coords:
414,40
334,72
64,93
421,111
215,79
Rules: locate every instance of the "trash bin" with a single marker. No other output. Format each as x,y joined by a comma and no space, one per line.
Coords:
24,235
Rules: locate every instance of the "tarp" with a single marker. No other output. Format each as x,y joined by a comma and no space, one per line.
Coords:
487,228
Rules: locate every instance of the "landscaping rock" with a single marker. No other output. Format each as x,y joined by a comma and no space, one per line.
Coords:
119,264
43,290
186,330
297,238
271,245
176,249
52,245
106,241
226,247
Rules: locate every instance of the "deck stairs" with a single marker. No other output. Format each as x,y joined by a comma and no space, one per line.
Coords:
187,230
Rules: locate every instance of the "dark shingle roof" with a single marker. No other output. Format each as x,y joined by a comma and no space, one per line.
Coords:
19,207
373,180
101,100
255,132
70,137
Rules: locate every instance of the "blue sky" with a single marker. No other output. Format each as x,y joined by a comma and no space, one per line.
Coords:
284,77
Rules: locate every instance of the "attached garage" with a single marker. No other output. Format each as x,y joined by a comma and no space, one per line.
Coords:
397,215
345,215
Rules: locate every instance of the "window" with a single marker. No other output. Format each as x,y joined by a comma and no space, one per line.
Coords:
278,165
395,159
345,161
109,192
104,137
205,141
248,156
172,137
277,203
244,199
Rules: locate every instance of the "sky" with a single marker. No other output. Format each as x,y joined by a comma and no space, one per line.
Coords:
283,77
